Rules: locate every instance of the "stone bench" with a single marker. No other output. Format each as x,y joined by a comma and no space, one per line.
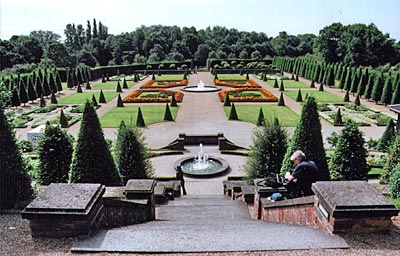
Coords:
233,186
262,190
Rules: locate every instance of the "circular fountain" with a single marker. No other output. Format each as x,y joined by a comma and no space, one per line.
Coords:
202,165
201,88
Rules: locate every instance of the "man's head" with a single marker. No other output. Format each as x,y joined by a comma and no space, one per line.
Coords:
298,156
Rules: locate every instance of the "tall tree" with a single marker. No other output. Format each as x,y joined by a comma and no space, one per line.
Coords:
55,155
92,161
393,159
387,93
388,136
377,89
308,138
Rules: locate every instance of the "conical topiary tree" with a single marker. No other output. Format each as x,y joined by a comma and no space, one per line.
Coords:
247,76
348,161
55,155
103,78
394,183
299,97
215,76
153,77
312,85
88,87
92,161
94,101
308,138
346,97
15,184
281,101
232,113
388,136
276,83
134,161
120,104
260,118
53,99
118,141
102,99
15,102
387,93
321,87
292,78
281,87
267,151
173,100
139,119
167,113
396,94
31,91
227,101
124,84
107,77
63,120
119,89
42,102
23,95
296,78
393,159
79,89
338,118
377,89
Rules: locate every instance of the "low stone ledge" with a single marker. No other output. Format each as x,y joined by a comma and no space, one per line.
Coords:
307,200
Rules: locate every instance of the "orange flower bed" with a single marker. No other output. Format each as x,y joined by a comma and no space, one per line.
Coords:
237,83
135,96
164,84
269,97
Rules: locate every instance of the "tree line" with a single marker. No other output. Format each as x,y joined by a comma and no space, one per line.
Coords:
355,45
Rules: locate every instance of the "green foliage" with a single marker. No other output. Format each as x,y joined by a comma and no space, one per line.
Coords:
88,87
394,183
260,118
232,114
308,138
119,89
346,97
42,102
92,161
63,120
167,113
247,76
267,152
125,85
15,183
55,155
102,99
276,83
15,102
338,118
377,89
53,99
23,95
348,161
386,97
393,159
120,104
281,101
118,142
396,94
281,87
388,136
173,101
79,89
357,101
94,101
321,87
312,85
103,79
133,162
227,101
215,76
297,78
299,97
139,119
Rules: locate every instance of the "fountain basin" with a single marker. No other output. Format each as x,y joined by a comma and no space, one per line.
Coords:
216,166
206,88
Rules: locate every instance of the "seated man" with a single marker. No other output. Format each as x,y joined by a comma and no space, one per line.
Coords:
304,174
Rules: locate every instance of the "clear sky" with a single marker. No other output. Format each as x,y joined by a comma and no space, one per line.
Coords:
20,17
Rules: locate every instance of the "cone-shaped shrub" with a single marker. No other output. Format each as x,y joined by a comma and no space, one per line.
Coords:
107,77
260,118
88,87
185,76
388,137
394,183
118,142
338,118
42,102
308,138
281,87
79,89
393,159
265,77
299,97
53,99
348,161
312,85
215,76
247,76
63,120
23,95
276,83
241,72
167,113
31,91
125,85
292,78
281,101
102,99
94,101
357,101
92,161
227,101
321,87
153,77
103,79
396,94
232,114
346,97
297,78
120,104
173,100
55,155
15,184
15,102
140,119
267,152
134,161
119,89
136,78
387,93
377,89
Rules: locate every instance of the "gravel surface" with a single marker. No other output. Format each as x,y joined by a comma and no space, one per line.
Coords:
15,239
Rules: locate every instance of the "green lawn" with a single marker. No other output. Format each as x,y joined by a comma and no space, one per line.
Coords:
319,96
151,114
396,202
249,113
376,171
170,77
289,84
110,85
80,98
230,76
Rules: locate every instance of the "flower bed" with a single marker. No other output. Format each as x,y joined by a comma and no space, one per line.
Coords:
235,95
163,84
152,96
237,83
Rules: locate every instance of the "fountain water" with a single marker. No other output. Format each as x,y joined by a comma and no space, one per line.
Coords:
201,160
201,88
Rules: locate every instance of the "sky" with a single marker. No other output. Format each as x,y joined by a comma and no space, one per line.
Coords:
20,17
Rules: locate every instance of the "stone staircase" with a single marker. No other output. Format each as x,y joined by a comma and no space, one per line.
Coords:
209,223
